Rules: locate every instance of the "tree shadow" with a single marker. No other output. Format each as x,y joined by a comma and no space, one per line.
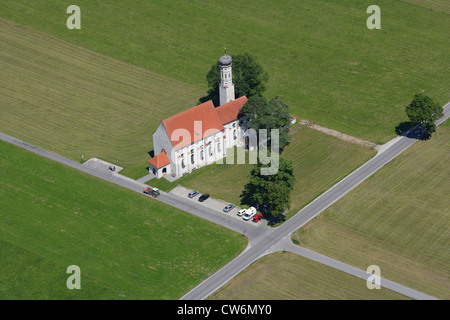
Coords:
403,127
412,130
271,221
247,195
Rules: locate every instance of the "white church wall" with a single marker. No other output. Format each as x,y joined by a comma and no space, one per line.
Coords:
161,141
213,147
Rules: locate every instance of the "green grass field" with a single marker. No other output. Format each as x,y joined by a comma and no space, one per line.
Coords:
398,219
75,102
321,58
436,5
319,162
128,246
287,276
101,92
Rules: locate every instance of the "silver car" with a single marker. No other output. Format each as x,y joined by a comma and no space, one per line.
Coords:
228,208
193,193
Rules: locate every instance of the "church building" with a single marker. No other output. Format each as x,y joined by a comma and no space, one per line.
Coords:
200,136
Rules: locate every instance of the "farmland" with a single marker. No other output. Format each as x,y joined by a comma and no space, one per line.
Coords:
287,276
398,219
321,58
101,92
127,245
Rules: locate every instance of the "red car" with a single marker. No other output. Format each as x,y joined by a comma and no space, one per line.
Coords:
257,217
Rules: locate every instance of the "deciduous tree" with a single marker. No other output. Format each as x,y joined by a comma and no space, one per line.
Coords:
273,114
249,78
423,110
272,192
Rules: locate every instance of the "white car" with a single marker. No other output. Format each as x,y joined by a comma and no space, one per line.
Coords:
249,213
241,212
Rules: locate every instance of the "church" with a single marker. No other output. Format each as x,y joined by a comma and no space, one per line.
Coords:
200,136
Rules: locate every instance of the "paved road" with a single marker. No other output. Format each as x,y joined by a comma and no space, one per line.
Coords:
268,241
251,231
287,245
261,240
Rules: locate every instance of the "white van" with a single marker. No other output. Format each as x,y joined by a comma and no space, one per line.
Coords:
249,213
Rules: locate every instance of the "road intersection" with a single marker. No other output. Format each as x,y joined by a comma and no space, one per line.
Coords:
270,240
267,240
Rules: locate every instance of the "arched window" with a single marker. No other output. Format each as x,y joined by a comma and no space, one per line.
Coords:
210,151
192,158
234,134
201,155
218,146
182,164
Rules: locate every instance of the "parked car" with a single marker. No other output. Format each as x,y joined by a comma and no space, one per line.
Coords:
241,212
257,218
228,208
193,193
203,197
154,192
249,213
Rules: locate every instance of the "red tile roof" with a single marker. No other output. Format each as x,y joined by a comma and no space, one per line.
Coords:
208,123
229,111
160,160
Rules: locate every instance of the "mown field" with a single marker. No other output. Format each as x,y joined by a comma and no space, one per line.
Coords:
127,245
91,105
319,162
101,91
398,219
76,102
321,58
436,5
287,276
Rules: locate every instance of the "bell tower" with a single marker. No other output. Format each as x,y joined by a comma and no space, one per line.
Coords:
226,87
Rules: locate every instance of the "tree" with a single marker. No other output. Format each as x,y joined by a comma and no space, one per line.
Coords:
249,78
272,192
423,110
273,114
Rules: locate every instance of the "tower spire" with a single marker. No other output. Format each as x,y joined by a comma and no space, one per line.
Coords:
226,88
